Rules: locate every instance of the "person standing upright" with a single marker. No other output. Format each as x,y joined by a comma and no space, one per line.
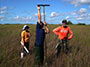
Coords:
25,36
40,37
62,32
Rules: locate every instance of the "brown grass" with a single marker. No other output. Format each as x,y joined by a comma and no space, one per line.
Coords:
79,47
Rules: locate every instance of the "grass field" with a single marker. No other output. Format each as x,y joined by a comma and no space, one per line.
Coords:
10,48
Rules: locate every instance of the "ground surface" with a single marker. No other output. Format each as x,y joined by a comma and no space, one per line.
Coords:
10,48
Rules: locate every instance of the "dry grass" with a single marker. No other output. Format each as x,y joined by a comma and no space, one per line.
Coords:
10,48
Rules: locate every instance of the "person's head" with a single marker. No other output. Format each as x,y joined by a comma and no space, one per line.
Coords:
42,25
64,22
26,27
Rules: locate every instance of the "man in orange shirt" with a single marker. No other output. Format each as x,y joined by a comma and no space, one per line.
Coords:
25,36
63,32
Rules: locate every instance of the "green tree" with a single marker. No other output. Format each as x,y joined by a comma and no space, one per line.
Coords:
81,24
69,22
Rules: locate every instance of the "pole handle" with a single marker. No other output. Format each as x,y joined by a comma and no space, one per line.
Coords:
43,5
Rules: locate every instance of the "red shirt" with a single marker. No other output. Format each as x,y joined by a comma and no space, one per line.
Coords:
63,32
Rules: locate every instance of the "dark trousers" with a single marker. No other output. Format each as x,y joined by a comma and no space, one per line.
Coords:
27,46
62,44
39,54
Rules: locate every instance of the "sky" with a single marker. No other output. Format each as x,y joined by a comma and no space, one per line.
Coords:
25,11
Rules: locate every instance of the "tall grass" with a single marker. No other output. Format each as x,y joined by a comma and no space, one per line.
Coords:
10,48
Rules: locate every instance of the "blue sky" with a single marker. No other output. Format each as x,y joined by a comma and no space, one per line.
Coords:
25,11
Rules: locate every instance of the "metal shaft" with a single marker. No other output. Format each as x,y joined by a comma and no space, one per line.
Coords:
44,13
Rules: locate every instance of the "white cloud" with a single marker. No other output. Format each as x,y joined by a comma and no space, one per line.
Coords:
78,18
3,8
36,14
17,17
2,17
82,10
3,12
54,14
73,13
1,20
89,6
84,1
67,17
22,19
84,17
78,2
89,14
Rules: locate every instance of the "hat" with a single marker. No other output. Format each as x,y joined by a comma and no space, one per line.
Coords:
25,27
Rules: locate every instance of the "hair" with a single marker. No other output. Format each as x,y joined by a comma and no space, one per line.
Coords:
27,27
64,21
42,24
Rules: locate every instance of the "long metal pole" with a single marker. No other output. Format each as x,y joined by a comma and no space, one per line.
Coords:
44,13
45,38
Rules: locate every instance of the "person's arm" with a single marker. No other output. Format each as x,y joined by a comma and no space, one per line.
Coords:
71,34
46,28
39,14
56,30
23,38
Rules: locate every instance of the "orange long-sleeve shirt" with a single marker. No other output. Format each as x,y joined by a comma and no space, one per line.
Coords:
63,32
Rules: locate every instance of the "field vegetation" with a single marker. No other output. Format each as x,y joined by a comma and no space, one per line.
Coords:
10,48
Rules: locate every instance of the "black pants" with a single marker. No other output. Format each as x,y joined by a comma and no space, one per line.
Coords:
39,54
27,46
62,44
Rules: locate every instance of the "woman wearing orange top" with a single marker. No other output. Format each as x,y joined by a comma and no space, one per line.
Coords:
25,36
63,32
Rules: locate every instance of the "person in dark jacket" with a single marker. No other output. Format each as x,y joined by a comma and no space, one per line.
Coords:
40,37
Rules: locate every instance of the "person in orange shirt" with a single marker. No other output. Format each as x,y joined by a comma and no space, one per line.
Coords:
62,32
25,36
